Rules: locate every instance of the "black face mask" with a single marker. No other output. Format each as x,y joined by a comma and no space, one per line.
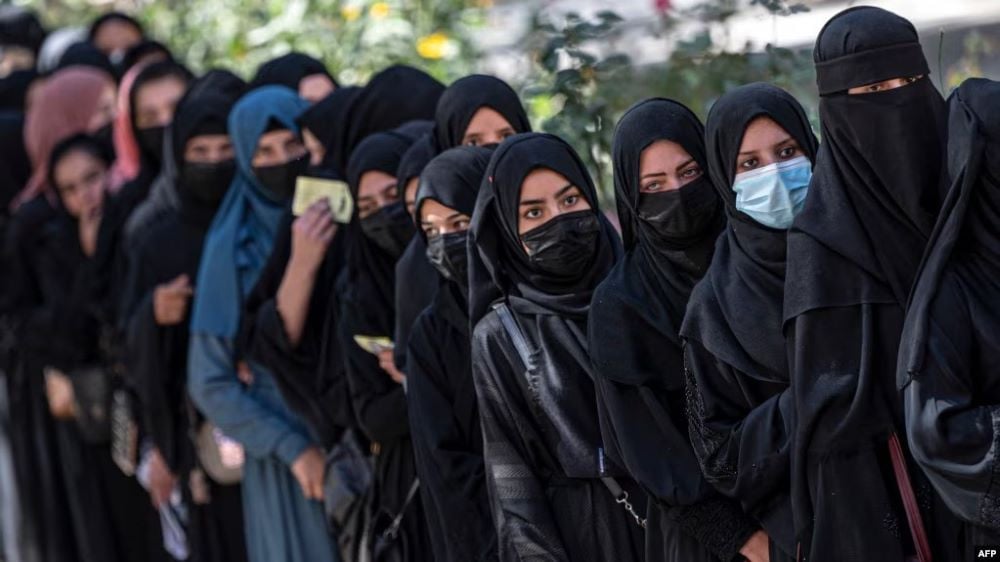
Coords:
105,136
151,141
280,178
208,183
390,228
565,245
673,218
448,253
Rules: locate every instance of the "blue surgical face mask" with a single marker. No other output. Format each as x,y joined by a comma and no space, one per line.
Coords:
774,194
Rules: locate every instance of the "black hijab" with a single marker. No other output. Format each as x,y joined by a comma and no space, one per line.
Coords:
667,252
876,187
204,110
84,53
326,119
14,89
288,70
393,97
371,271
154,72
969,222
498,264
453,179
414,161
460,102
736,310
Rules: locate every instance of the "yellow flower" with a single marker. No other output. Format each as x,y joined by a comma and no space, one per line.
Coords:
433,46
350,12
379,10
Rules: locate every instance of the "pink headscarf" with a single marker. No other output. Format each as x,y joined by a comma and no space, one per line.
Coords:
128,158
64,106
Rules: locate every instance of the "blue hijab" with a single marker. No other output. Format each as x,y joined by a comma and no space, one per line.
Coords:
240,238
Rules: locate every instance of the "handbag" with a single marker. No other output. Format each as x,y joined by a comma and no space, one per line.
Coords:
349,475
223,467
521,345
92,390
390,545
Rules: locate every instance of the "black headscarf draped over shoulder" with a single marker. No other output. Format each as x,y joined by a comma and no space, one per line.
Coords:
736,310
878,179
415,160
970,217
464,97
652,286
393,97
498,264
288,70
371,271
13,156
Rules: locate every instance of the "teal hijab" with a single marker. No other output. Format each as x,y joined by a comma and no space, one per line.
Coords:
242,233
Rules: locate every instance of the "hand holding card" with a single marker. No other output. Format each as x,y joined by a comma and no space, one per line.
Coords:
338,195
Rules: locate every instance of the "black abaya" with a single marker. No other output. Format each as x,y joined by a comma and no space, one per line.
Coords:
739,403
542,443
853,253
949,360
638,366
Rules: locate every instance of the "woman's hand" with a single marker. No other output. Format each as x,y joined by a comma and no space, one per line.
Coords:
170,301
59,391
309,470
90,226
757,548
311,235
388,364
161,480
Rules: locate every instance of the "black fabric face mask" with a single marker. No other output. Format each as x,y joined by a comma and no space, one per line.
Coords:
105,136
390,228
151,141
672,217
565,245
280,178
449,255
208,183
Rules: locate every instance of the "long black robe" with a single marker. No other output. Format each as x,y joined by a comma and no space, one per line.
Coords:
739,410
948,361
110,513
441,397
542,441
853,254
639,366
367,308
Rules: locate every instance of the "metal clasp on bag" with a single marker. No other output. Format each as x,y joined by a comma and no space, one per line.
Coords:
623,500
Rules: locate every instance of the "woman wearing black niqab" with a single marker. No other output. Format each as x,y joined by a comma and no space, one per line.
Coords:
948,359
760,150
538,248
377,233
296,71
671,216
163,267
853,255
441,397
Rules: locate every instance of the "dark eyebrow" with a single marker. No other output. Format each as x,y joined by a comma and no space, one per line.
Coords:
653,175
685,164
786,141
532,202
563,191
389,186
454,215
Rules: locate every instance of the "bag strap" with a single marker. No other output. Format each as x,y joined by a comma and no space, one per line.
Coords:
392,531
910,504
523,351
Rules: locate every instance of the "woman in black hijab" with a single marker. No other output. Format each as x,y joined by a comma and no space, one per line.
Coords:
322,123
478,110
853,255
948,356
377,234
760,151
297,71
161,274
538,247
72,334
671,216
441,397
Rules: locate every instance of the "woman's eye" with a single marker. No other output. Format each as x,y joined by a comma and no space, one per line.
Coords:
571,200
875,88
461,225
431,232
691,173
533,214
912,79
749,164
472,142
787,152
652,186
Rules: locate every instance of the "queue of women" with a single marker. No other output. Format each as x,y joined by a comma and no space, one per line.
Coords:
784,355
